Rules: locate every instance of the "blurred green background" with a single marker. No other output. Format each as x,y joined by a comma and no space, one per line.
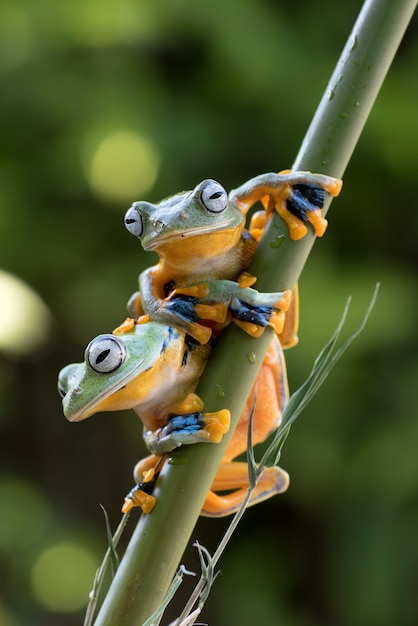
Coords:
106,102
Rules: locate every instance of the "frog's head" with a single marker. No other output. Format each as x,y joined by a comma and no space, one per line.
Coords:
196,214
118,371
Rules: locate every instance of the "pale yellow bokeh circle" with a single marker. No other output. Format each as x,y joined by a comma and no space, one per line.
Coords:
24,317
62,577
16,37
123,166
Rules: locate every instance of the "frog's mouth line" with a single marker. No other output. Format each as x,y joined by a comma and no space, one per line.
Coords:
172,237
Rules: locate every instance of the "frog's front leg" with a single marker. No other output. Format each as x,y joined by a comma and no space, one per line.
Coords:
188,425
160,308
215,300
298,197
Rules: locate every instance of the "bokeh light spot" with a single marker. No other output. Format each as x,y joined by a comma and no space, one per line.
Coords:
123,166
18,529
6,619
62,577
100,24
24,317
15,36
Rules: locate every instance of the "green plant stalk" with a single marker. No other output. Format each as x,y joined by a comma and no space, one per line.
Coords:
159,540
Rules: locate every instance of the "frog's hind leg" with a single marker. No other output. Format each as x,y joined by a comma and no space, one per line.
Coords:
145,472
234,476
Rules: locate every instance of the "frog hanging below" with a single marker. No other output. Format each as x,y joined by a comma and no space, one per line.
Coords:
154,369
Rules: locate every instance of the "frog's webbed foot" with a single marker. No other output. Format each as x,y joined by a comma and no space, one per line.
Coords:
253,320
184,311
298,197
254,314
141,496
298,204
188,428
145,475
234,476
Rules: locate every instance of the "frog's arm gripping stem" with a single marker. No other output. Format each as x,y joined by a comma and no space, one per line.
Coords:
298,197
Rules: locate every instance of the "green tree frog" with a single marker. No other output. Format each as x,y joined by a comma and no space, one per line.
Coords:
151,368
204,250
154,369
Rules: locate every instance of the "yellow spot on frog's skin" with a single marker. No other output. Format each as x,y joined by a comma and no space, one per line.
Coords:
220,390
121,166
251,356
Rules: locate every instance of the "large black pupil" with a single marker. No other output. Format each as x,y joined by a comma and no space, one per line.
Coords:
102,356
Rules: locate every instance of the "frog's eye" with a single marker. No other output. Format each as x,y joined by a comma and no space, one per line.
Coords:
105,354
133,221
214,197
62,389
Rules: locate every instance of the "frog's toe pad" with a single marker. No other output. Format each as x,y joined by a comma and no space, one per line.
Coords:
138,497
216,312
277,321
297,229
245,279
215,425
318,222
284,303
251,329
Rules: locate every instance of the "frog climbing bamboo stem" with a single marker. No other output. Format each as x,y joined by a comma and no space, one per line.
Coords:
159,540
